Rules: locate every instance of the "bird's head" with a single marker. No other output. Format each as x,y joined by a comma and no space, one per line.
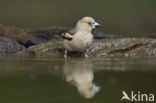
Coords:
86,24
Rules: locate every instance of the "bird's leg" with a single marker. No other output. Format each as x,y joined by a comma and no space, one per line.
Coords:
65,53
85,54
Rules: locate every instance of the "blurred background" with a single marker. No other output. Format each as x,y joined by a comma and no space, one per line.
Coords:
125,17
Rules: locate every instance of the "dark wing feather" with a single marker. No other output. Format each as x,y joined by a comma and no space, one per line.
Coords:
69,34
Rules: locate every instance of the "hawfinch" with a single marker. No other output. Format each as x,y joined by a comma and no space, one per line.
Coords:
80,38
80,74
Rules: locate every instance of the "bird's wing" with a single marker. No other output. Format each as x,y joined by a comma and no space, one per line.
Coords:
69,34
72,31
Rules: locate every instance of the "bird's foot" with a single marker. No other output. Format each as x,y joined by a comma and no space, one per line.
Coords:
86,55
65,55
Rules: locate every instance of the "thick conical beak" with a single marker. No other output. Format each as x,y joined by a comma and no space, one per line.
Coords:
95,25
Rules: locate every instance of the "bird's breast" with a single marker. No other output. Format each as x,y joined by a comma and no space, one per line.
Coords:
79,42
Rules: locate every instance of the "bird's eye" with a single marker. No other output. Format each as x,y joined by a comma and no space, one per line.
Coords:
89,23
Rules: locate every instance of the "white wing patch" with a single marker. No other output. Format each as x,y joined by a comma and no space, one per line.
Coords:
67,36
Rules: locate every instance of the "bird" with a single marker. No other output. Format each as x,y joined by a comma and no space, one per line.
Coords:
80,74
81,37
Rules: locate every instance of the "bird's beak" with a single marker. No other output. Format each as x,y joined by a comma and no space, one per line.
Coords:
96,88
95,25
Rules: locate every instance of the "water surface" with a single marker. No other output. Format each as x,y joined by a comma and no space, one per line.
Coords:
74,80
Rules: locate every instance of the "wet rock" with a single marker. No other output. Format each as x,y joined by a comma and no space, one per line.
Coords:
47,41
19,35
8,46
100,48
47,33
99,35
51,48
123,47
153,35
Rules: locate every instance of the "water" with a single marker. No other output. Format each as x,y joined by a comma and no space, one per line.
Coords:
49,80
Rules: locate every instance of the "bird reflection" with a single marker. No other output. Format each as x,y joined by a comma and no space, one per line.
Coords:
80,74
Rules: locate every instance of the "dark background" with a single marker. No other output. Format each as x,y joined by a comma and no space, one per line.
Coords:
125,17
